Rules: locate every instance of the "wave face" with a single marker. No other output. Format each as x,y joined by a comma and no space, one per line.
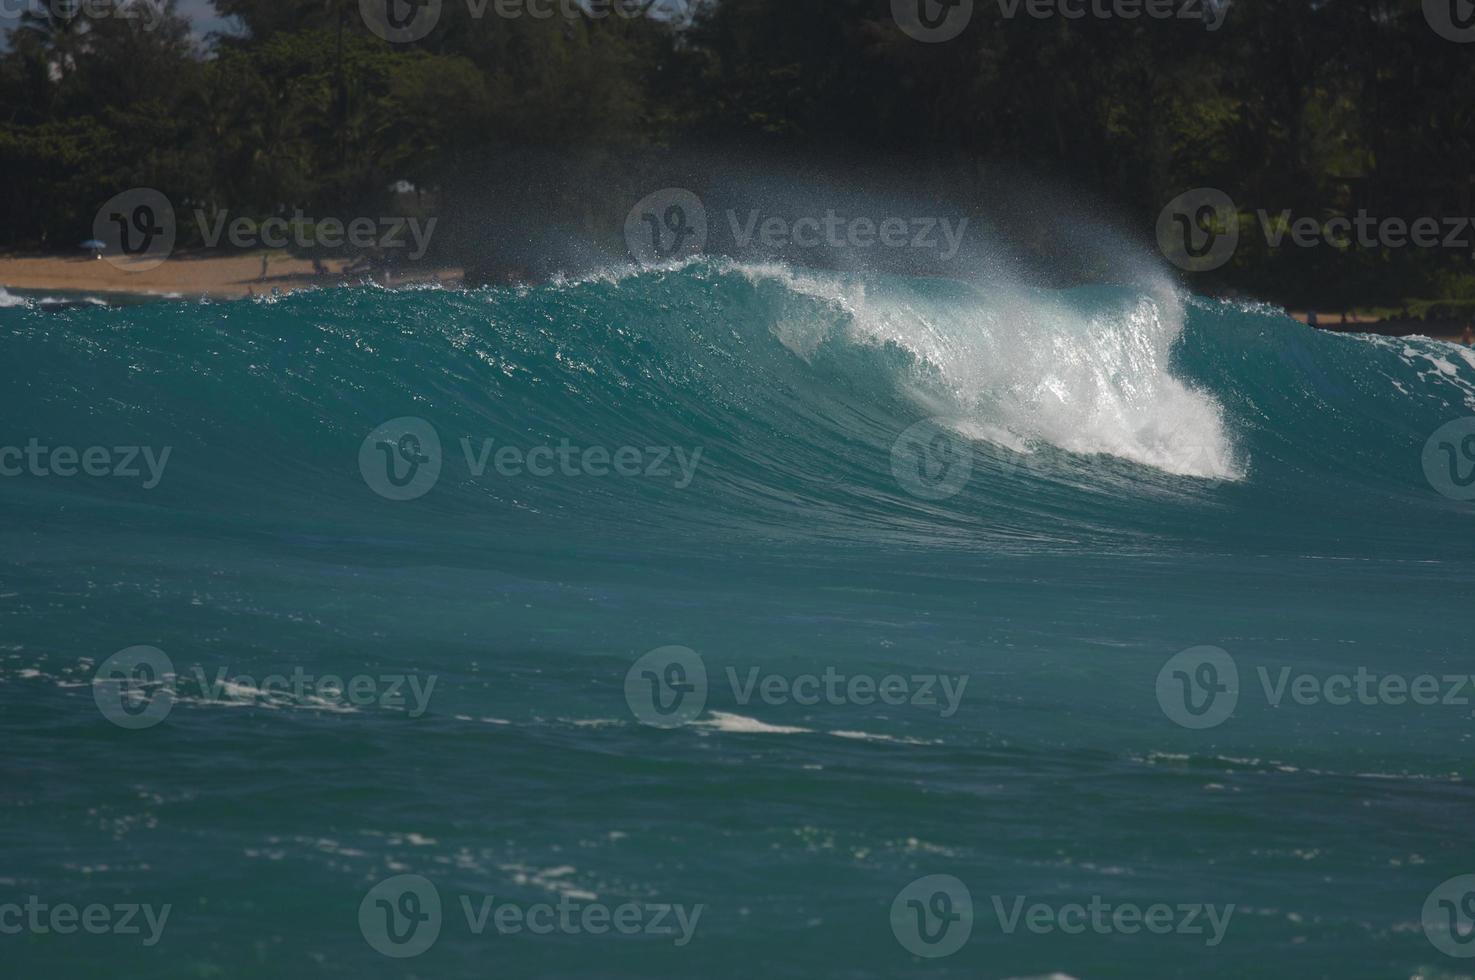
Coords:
1083,412
1051,492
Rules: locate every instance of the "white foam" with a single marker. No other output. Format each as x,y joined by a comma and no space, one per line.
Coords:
1434,362
1012,366
1015,366
893,739
551,880
722,721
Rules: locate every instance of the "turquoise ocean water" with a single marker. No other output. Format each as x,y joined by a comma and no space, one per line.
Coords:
630,654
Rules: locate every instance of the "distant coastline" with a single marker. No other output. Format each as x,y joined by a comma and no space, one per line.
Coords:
1439,328
240,276
201,275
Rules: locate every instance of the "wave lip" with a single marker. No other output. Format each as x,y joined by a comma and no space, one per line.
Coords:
1086,370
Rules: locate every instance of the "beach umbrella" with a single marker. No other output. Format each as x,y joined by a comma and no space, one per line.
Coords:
93,245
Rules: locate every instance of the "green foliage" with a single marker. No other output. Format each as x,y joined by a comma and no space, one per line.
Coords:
1321,106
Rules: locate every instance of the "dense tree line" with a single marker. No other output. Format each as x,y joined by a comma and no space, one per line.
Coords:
1320,107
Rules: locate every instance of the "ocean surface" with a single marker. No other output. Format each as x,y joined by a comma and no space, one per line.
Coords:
721,620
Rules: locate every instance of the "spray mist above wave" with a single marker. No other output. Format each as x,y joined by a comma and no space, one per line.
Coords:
1011,345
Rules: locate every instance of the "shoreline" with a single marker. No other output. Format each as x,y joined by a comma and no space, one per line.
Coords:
1450,331
200,275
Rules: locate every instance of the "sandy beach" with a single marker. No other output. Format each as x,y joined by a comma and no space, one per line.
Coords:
1452,331
200,274
263,273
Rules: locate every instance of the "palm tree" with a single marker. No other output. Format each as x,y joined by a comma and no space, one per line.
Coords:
59,34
